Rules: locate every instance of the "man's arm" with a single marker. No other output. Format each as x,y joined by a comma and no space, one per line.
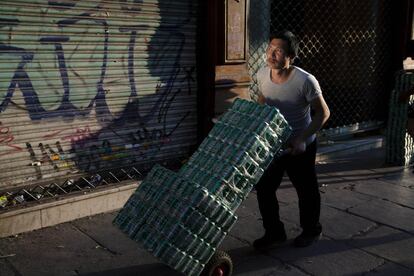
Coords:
261,98
319,118
321,115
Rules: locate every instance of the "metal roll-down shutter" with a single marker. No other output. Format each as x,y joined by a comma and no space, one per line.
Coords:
87,86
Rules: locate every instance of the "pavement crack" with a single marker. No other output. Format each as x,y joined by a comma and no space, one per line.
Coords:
366,231
398,204
350,187
301,269
100,245
11,266
375,197
239,239
347,210
375,269
380,223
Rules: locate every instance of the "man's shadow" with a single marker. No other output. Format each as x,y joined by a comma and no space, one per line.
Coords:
153,126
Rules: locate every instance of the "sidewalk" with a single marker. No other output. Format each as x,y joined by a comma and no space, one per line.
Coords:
367,214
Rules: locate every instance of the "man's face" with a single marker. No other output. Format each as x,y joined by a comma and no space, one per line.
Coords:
276,56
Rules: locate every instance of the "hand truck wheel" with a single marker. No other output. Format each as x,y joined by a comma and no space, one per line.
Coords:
220,264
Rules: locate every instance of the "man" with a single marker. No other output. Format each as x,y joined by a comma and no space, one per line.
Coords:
294,92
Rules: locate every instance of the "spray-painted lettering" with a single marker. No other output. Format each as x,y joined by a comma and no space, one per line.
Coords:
7,138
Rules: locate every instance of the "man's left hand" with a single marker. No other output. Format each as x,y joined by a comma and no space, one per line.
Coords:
297,146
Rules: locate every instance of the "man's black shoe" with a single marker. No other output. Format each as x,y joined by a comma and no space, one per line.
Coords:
268,241
304,239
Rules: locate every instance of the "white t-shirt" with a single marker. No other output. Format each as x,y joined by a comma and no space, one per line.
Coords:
292,97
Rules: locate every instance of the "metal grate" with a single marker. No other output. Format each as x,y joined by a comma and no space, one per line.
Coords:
400,145
259,19
55,189
346,44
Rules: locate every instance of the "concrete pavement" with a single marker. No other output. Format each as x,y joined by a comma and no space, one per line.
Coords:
367,215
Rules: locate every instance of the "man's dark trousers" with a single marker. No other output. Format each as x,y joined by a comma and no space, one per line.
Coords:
301,171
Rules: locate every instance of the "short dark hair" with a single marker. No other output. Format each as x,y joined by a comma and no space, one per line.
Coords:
291,40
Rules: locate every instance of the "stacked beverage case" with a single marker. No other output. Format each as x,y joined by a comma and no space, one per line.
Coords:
181,218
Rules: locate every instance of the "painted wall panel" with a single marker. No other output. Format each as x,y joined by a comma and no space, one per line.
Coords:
94,85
